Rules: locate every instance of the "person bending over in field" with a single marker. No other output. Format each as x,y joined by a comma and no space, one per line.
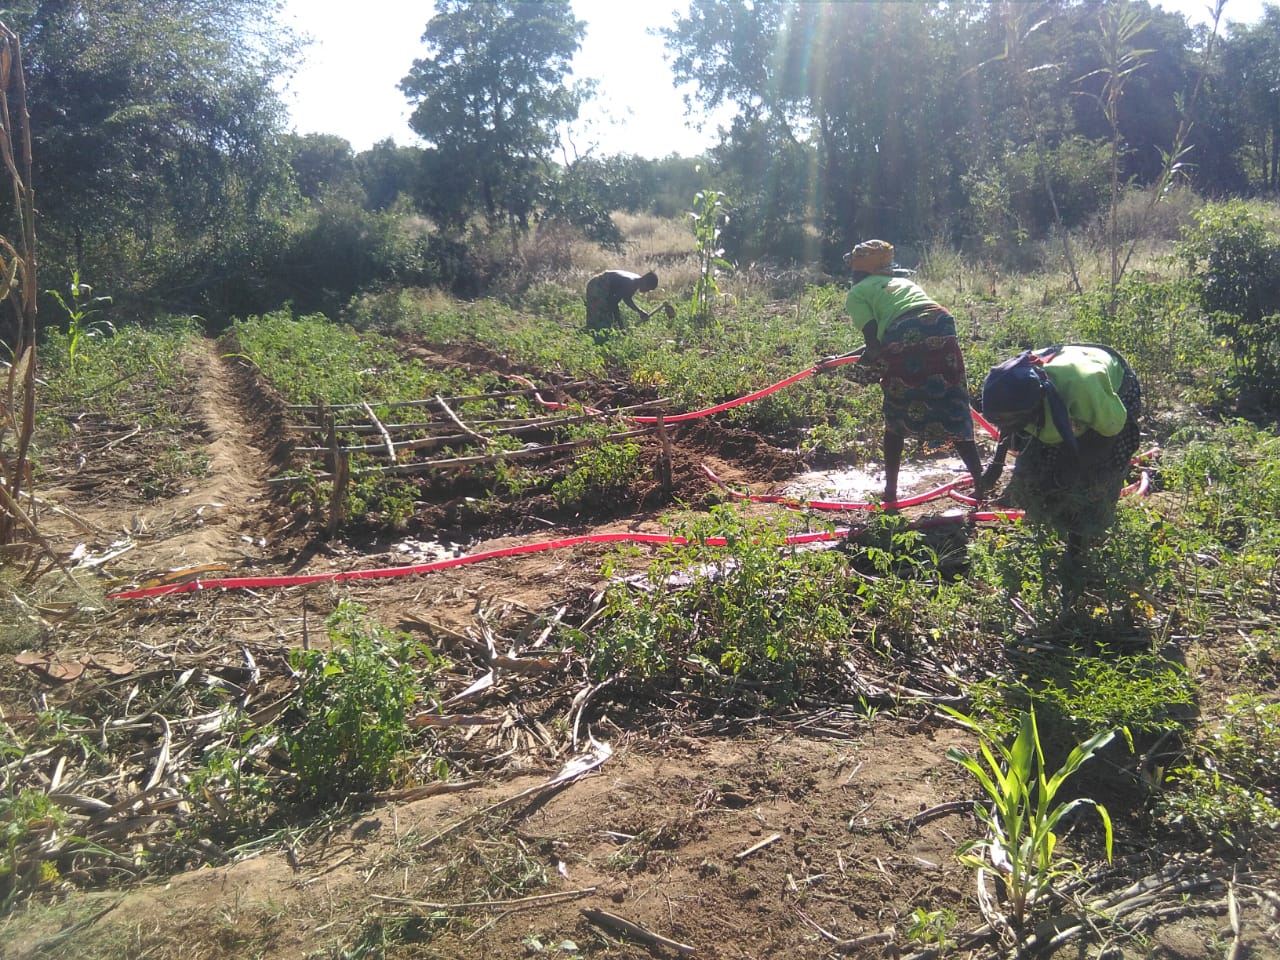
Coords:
605,291
1075,410
912,352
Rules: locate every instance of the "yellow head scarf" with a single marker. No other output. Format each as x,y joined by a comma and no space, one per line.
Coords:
872,256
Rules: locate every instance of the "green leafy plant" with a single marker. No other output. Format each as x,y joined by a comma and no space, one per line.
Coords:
1226,790
1020,812
27,819
80,305
1140,694
734,600
709,217
598,474
391,499
1207,803
1234,259
350,714
931,927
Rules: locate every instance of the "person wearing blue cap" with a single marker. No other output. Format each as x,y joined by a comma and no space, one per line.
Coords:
911,350
1075,408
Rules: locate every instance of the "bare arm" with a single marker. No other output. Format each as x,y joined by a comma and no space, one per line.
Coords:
991,476
871,353
632,304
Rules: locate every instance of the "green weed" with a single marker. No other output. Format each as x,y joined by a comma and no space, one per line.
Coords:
1141,696
932,927
349,720
547,337
1227,789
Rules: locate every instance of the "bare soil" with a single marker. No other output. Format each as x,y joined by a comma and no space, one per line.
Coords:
806,832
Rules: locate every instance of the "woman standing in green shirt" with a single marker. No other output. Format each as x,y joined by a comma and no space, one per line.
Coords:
1076,409
911,347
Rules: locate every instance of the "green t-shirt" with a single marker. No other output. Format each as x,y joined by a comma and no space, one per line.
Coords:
1087,380
883,299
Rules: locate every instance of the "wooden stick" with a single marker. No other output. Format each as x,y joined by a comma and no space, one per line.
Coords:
448,411
664,459
15,511
757,847
386,437
340,475
506,425
941,810
399,404
848,946
618,925
490,904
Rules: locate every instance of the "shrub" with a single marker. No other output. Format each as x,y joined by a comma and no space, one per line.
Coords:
1226,790
734,602
1234,257
350,716
1157,325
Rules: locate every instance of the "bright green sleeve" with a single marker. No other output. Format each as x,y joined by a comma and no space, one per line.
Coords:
859,306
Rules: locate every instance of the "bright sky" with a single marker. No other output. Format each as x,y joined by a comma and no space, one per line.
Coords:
347,83
636,109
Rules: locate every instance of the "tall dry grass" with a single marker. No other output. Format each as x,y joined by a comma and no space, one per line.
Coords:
560,254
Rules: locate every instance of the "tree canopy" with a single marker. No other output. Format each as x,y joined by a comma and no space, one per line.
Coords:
490,95
163,174
965,119
153,124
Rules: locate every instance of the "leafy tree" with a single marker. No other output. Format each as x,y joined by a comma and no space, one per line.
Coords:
640,185
870,88
155,125
767,172
386,171
576,194
322,163
920,120
1250,84
489,97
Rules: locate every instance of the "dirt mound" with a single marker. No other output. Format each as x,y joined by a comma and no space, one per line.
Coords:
753,456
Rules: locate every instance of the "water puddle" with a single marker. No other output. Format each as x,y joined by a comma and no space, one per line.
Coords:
425,551
867,481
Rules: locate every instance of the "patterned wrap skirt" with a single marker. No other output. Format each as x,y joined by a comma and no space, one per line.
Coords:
926,392
1080,501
